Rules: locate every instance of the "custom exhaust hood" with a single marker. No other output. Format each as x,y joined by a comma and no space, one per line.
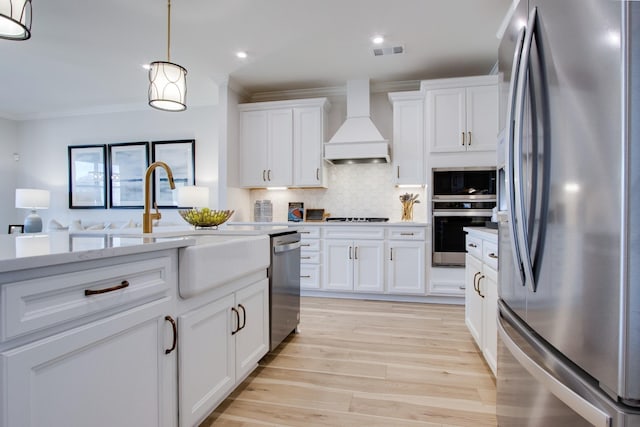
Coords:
357,140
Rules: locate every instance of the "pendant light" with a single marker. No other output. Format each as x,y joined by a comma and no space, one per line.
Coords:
15,19
167,81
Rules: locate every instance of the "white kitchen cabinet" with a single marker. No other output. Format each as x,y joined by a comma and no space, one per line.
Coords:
406,260
266,142
408,137
281,143
353,265
462,114
310,258
220,343
481,294
90,344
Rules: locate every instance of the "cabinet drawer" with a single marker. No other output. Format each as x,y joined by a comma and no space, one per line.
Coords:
310,233
446,288
474,246
356,233
409,233
490,254
310,245
310,276
309,257
35,304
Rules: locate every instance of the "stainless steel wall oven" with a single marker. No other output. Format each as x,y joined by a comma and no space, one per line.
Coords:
462,197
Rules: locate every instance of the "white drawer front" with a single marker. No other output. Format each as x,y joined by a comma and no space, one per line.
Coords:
310,232
474,246
309,257
310,276
31,305
490,254
310,245
408,233
356,233
446,288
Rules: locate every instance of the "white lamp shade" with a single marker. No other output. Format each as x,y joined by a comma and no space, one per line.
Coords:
31,198
193,196
167,86
15,19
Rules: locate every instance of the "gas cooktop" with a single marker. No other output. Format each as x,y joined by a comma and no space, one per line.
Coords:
355,219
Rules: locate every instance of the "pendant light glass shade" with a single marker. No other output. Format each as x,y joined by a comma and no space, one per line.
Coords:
167,86
15,19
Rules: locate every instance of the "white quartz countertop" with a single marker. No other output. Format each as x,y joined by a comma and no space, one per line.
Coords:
331,224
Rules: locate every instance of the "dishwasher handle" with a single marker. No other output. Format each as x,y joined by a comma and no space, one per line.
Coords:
278,249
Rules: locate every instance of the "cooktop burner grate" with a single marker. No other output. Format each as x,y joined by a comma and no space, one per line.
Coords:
356,219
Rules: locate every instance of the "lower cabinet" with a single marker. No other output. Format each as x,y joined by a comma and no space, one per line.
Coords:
111,372
220,343
481,294
354,265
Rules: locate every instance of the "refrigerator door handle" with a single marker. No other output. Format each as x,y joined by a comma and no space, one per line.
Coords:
515,248
522,238
574,401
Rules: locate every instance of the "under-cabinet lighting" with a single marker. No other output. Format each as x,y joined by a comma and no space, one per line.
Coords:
410,185
277,188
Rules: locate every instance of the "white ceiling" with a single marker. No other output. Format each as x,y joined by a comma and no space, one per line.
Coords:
87,55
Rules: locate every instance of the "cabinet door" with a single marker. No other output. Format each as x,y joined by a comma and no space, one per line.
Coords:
207,359
338,265
280,136
54,381
310,276
307,147
446,127
406,268
253,148
482,118
489,288
408,141
252,341
368,267
473,301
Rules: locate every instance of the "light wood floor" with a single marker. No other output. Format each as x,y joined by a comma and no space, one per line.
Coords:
368,363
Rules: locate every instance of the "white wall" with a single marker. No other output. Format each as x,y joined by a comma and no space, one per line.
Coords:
44,162
8,170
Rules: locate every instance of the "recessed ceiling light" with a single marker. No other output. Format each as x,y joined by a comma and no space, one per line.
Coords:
241,54
377,39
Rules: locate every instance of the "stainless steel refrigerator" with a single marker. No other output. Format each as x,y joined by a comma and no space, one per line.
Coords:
569,215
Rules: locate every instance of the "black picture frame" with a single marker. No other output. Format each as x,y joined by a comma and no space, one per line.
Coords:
15,229
128,162
87,176
180,155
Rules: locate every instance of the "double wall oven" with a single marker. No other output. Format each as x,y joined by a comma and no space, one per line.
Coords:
462,197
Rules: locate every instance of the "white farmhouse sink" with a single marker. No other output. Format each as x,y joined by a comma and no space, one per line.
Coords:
218,259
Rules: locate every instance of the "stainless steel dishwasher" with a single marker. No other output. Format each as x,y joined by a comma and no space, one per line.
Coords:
284,286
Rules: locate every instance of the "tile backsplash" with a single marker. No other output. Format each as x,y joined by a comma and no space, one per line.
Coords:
358,190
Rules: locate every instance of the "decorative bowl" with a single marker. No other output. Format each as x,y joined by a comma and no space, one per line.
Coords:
205,217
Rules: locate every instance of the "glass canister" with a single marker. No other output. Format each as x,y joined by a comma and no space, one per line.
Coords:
263,211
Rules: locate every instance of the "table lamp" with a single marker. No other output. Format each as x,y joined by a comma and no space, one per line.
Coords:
31,198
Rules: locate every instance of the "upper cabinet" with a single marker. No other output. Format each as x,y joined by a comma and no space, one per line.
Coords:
408,137
281,143
462,114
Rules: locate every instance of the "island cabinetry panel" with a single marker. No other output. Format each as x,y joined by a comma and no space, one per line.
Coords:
96,364
220,343
481,293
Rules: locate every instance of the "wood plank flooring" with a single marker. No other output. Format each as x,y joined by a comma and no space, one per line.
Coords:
368,363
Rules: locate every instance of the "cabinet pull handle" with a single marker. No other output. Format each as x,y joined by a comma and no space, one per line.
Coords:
355,256
244,316
479,279
462,288
493,255
264,178
398,172
174,328
233,309
305,257
475,277
317,174
406,234
463,138
305,232
350,257
472,245
122,285
469,143
305,244
269,175
390,254
305,277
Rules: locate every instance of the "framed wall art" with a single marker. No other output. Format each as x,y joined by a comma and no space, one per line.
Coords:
180,156
128,162
87,177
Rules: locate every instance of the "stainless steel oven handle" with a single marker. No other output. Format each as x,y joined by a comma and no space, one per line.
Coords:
465,213
286,248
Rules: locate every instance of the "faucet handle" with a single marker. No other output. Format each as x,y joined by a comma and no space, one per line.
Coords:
157,214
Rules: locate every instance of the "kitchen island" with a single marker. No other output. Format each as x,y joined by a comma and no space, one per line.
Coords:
91,327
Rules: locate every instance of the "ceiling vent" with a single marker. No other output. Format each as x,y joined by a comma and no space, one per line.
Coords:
389,50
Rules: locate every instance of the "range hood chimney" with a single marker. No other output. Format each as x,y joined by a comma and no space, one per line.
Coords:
357,140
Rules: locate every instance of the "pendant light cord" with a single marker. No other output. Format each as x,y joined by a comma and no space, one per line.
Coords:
168,30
